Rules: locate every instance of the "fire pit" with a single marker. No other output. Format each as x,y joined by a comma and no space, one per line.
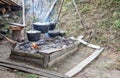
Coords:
44,52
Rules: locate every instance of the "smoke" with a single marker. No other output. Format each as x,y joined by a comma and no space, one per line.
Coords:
41,8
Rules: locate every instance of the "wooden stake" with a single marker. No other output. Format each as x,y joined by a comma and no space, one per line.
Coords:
60,9
76,8
23,12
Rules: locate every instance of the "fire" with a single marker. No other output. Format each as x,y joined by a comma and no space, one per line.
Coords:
34,45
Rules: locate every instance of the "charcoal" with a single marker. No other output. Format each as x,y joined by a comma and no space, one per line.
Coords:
58,42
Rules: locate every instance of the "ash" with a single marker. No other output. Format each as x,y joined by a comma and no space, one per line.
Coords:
46,44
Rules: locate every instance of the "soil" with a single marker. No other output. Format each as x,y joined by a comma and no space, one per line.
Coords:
4,53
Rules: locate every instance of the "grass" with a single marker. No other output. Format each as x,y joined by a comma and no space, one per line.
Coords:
26,75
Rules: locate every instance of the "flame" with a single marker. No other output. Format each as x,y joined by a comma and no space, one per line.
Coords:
34,45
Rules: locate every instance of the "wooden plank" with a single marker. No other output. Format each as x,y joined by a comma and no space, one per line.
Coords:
80,40
3,68
29,69
57,54
84,63
29,55
51,50
62,56
32,61
2,3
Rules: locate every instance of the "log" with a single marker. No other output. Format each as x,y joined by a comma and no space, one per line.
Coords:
17,35
29,69
17,29
84,63
8,39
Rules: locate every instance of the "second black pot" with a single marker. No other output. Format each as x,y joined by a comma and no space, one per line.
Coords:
33,35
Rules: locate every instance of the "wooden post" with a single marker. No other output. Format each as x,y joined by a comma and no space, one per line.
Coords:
17,33
23,11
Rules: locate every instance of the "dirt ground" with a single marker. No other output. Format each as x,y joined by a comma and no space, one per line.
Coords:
4,53
105,66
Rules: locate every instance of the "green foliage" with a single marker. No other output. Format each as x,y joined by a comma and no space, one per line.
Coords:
117,0
86,8
30,76
116,24
26,75
19,73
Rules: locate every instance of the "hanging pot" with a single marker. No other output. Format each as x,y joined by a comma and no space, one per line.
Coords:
52,25
33,35
44,27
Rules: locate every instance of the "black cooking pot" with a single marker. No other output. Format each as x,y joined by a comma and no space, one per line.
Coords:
52,25
33,35
53,33
44,27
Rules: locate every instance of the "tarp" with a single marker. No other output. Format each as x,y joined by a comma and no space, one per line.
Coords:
41,8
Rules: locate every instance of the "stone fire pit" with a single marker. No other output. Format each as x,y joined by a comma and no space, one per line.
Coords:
44,52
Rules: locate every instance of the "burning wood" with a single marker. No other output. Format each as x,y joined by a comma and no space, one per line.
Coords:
34,45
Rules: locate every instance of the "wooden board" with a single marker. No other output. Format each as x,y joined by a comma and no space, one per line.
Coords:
84,63
32,61
58,59
80,40
29,69
49,51
29,55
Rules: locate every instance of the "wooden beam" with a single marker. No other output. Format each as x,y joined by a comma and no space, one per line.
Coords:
30,69
2,3
62,57
23,12
80,40
84,63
